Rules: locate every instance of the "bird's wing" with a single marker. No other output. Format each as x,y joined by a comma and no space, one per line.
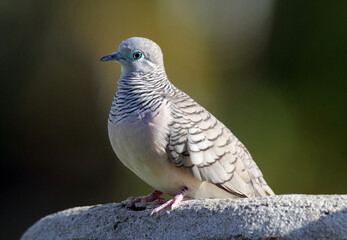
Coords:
207,149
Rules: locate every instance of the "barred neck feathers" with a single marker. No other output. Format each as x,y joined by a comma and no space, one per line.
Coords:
138,93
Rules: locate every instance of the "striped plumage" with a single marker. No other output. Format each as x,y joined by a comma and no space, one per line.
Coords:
168,139
139,92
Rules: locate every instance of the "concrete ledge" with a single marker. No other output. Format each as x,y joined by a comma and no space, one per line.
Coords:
277,217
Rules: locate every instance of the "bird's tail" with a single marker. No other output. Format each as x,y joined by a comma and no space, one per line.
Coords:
262,189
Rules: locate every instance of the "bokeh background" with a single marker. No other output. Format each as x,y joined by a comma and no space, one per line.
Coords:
273,71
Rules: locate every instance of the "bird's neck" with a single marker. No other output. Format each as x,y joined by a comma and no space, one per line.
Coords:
139,92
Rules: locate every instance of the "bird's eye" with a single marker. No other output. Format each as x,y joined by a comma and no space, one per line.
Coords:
137,55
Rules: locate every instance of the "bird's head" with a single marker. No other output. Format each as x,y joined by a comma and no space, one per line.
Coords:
137,54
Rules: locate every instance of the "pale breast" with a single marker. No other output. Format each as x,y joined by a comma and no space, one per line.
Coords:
139,142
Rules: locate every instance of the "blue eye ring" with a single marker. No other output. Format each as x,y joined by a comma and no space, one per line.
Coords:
136,55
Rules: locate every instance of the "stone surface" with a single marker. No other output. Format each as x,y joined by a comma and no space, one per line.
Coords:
277,217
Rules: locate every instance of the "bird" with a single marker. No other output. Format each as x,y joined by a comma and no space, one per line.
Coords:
170,141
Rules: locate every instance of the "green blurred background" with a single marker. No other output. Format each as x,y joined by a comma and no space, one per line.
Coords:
273,71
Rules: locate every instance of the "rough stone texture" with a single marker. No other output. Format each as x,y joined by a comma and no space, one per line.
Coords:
277,217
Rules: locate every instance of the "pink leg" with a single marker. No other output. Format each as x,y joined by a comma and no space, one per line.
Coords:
149,198
172,202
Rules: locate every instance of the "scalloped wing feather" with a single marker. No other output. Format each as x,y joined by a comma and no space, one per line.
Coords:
204,147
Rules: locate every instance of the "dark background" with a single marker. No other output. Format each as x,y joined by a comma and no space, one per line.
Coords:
273,71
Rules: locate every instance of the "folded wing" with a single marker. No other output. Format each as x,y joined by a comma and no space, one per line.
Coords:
207,149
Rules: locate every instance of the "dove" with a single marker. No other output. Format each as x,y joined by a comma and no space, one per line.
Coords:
171,142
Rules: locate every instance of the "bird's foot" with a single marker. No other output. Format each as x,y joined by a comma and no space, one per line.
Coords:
154,196
172,202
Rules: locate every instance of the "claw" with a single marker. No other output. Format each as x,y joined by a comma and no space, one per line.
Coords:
172,202
154,196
